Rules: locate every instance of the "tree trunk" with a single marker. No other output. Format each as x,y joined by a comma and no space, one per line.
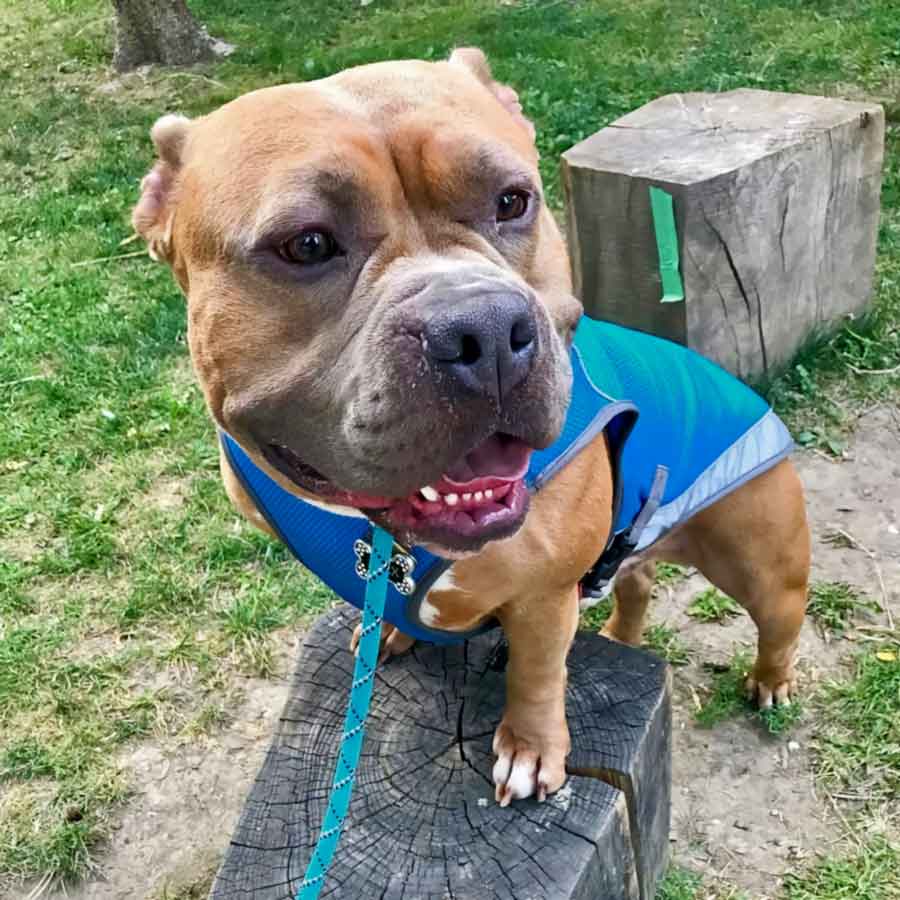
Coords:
160,31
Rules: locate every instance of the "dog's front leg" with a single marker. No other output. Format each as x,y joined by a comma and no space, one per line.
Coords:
532,740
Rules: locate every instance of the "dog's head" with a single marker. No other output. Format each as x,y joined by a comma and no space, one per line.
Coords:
379,301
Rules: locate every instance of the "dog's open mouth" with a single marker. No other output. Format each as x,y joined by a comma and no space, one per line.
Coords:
482,497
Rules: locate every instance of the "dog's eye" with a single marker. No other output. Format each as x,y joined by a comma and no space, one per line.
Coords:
309,248
511,205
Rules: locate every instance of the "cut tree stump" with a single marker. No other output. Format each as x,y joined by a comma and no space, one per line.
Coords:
423,822
776,207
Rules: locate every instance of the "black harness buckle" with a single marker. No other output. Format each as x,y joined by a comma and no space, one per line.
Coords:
604,570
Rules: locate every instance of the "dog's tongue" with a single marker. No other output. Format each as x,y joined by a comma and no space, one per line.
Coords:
497,457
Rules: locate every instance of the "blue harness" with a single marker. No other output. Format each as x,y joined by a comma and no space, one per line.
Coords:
682,433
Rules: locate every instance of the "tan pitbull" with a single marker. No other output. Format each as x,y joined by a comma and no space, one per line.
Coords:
380,307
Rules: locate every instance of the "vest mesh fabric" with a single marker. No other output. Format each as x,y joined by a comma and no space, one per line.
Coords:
690,410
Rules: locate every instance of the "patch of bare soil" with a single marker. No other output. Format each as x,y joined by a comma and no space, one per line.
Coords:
744,804
20,547
186,801
167,494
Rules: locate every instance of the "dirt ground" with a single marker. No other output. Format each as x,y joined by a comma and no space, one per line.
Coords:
745,808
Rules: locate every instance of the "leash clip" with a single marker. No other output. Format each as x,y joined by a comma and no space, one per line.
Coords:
400,566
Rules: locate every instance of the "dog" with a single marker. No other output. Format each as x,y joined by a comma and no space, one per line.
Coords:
380,314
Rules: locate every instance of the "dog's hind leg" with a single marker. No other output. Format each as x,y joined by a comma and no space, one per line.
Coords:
631,596
754,545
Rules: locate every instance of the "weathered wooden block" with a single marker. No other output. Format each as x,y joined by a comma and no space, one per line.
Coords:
776,207
423,823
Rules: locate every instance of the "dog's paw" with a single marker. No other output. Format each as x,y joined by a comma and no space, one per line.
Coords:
526,768
393,642
769,688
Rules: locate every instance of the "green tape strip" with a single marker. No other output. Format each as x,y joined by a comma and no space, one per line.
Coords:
667,244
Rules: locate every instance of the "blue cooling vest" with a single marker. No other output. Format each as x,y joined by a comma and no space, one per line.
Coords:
682,433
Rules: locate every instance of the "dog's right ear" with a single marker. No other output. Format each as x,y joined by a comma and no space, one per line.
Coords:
473,59
154,214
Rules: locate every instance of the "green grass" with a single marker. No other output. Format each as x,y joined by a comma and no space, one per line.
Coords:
727,700
594,618
659,639
833,605
121,562
664,641
670,573
679,884
712,606
858,740
872,873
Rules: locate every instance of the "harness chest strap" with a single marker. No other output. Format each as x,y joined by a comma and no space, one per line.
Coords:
597,582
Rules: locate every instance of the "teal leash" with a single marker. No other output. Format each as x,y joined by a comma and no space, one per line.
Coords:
355,718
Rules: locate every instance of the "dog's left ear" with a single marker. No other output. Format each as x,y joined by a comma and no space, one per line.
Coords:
475,61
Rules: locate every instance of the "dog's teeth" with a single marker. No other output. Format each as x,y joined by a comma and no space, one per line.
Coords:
451,499
488,494
429,493
467,496
479,496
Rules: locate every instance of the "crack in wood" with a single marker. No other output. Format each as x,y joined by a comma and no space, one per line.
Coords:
734,334
562,827
828,202
743,292
725,314
459,730
827,258
784,213
759,329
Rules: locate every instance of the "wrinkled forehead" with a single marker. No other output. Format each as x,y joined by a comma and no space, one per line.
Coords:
374,134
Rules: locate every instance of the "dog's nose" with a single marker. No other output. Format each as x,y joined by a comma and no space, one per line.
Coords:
485,345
